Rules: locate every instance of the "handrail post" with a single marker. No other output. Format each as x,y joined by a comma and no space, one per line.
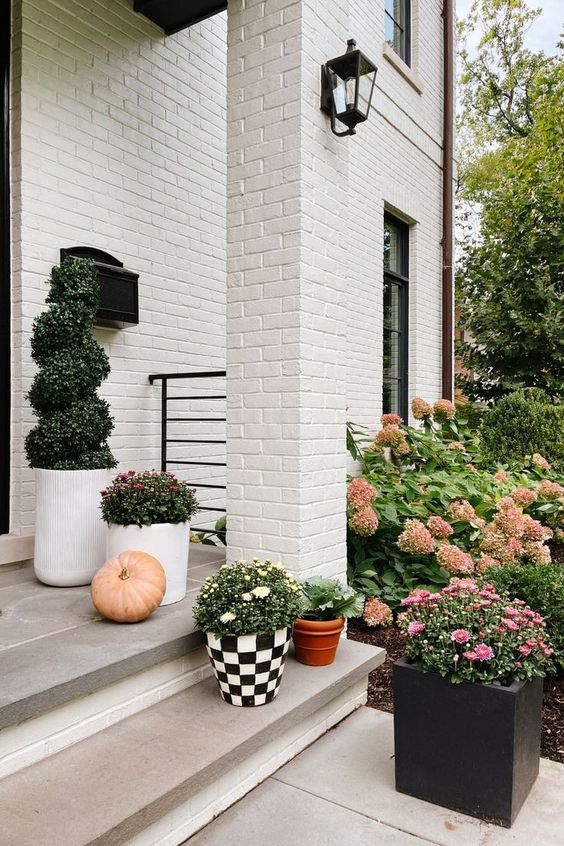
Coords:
164,398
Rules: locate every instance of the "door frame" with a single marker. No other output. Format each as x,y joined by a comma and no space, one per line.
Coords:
5,265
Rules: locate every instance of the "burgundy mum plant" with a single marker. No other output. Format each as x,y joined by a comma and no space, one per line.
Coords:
146,498
471,633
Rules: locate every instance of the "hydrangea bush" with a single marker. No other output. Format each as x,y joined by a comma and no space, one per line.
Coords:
248,598
438,509
469,632
143,499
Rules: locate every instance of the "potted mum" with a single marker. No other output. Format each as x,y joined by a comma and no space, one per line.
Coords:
326,604
468,698
246,612
151,511
68,446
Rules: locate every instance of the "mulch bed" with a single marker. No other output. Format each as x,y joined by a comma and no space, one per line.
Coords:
380,686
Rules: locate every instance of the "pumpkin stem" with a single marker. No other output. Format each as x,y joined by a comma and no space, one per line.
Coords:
124,573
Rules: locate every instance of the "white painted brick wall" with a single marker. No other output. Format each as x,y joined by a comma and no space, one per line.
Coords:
119,143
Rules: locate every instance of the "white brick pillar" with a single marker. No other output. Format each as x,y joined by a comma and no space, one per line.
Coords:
287,183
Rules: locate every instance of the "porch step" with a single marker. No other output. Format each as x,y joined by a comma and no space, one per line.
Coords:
161,774
67,673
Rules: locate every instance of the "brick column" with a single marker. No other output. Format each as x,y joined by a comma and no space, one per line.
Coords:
287,182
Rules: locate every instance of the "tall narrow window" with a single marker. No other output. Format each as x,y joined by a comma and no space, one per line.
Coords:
396,273
397,27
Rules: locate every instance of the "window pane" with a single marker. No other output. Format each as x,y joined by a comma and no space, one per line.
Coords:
389,31
395,293
392,255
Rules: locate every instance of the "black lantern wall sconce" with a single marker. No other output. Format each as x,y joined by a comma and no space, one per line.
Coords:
347,85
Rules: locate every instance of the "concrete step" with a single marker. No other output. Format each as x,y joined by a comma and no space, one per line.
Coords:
160,775
67,673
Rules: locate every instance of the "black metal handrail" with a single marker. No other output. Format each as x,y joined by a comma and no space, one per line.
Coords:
166,461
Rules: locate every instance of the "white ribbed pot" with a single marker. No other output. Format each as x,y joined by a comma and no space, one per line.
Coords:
168,542
70,535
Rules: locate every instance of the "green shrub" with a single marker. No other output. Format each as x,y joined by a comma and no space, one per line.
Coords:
542,588
73,422
521,424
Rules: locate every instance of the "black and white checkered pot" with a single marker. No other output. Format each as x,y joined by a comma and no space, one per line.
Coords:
249,668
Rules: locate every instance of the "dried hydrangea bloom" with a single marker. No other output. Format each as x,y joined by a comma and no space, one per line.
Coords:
551,490
523,496
533,530
363,522
377,613
537,552
390,437
462,510
443,410
391,420
458,445
539,461
420,409
500,477
439,528
454,559
506,550
416,538
486,561
509,518
360,494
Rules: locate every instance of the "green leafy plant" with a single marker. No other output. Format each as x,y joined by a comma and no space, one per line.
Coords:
469,632
541,587
143,499
206,536
521,424
73,422
248,598
328,599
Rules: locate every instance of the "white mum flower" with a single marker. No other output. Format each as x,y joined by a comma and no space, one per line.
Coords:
261,591
246,597
227,617
262,572
247,578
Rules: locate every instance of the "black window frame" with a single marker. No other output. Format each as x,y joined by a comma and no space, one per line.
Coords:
405,30
401,281
5,339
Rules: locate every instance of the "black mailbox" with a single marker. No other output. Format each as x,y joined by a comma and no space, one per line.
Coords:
119,298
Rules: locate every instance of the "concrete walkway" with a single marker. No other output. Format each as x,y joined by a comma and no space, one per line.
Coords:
340,792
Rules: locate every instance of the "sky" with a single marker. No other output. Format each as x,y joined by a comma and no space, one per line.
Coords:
545,32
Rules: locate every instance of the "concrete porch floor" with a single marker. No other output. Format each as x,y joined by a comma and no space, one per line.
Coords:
340,792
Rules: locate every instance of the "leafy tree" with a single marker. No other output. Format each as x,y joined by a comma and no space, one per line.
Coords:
73,422
510,282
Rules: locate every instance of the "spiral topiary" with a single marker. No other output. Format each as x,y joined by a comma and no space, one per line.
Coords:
73,422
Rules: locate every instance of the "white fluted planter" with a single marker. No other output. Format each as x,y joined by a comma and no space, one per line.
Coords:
168,542
70,535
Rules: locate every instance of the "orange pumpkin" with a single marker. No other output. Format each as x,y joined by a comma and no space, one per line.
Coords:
129,587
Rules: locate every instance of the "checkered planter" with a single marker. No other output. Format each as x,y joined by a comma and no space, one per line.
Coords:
249,668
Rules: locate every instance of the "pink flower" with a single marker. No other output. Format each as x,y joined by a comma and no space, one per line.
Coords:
415,627
416,539
391,420
484,652
518,664
500,477
420,409
390,436
376,612
363,522
539,461
443,410
360,494
462,510
534,530
470,655
439,528
525,649
454,559
523,496
551,490
460,636
486,561
510,624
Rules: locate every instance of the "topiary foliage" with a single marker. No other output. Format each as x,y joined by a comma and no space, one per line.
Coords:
73,422
521,424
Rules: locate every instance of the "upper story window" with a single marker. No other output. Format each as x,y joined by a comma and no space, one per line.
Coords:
398,26
396,280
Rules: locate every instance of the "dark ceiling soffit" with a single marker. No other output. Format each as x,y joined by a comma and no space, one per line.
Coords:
174,15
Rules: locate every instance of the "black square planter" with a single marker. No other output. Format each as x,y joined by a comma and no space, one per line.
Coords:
473,748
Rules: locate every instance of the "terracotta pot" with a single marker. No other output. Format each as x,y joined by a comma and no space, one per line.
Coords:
316,641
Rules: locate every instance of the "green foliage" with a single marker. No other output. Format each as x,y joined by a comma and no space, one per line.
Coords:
541,587
73,422
328,599
521,424
471,633
248,598
143,499
510,279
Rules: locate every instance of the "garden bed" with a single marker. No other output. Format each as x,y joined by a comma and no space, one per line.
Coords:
380,686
